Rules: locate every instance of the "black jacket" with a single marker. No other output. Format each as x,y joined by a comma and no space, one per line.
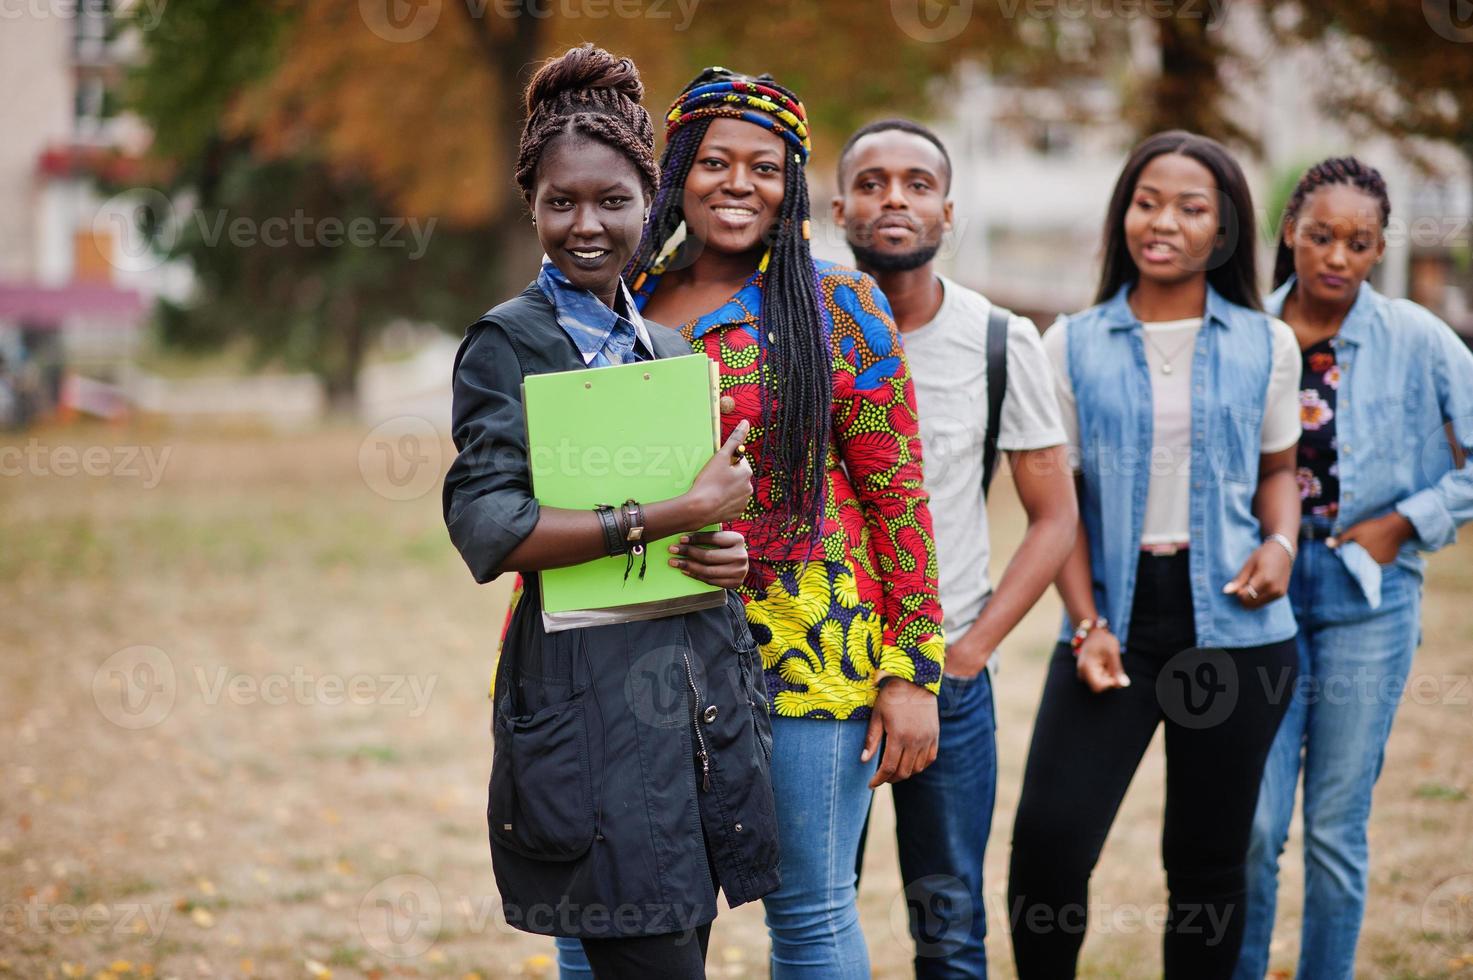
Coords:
599,801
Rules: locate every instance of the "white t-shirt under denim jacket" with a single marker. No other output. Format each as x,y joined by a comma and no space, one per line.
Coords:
1169,345
1239,373
948,362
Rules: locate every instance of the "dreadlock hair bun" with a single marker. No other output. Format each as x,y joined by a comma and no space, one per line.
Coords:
1335,170
590,92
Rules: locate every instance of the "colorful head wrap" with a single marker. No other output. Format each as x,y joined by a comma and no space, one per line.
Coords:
746,99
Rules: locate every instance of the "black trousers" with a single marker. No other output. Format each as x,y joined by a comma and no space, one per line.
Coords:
1221,709
672,956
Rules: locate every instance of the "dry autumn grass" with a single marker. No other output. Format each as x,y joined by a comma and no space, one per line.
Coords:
243,732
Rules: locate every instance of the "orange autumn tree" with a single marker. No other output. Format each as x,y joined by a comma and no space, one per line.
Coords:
409,110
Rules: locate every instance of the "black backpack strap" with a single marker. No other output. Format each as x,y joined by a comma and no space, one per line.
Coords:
997,386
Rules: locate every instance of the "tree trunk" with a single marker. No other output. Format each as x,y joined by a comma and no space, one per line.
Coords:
341,380
1189,93
509,57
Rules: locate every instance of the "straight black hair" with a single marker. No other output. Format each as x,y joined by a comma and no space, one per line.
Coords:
1232,268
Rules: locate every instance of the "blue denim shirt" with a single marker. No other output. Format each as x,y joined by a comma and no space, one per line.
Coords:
604,336
1231,365
1404,374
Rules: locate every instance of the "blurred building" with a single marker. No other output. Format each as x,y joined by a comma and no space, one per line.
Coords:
1034,167
75,276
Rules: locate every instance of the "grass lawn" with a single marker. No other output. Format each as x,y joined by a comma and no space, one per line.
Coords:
244,732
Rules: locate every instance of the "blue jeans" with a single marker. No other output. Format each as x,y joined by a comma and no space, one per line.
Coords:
942,818
1353,667
822,793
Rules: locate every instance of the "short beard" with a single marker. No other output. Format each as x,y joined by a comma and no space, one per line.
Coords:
873,258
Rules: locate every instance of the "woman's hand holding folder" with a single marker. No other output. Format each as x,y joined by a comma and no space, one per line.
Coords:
721,490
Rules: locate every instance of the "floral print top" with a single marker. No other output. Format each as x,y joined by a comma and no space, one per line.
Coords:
1319,474
869,600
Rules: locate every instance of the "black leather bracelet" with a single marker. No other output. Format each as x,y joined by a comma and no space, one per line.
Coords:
613,540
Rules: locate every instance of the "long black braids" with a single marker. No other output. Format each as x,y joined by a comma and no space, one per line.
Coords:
793,333
1335,170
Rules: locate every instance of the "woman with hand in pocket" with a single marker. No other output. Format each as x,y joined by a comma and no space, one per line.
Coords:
630,778
1384,380
1179,397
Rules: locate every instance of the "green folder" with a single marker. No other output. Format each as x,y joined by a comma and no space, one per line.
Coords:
602,436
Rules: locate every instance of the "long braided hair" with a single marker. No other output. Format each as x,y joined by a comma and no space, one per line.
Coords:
1335,170
1232,268
590,92
793,332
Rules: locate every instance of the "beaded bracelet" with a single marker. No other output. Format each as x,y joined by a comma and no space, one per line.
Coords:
1086,627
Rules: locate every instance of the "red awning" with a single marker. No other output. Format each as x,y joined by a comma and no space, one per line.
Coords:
49,306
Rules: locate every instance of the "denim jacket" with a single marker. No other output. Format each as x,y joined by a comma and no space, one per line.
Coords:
1231,365
1404,374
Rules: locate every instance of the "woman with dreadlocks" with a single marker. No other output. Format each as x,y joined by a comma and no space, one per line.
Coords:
841,595
606,825
1378,483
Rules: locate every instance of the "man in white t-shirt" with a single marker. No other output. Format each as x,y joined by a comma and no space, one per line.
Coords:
893,203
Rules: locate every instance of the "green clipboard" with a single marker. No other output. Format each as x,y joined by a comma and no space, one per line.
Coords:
604,435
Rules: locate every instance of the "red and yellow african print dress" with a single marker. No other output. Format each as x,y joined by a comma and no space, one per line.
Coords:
824,626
